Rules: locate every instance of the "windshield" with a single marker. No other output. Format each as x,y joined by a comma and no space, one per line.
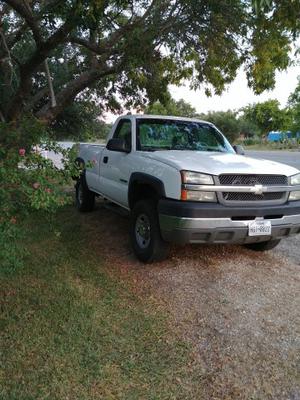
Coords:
166,134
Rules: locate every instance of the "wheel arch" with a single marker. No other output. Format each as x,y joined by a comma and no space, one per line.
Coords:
80,161
142,185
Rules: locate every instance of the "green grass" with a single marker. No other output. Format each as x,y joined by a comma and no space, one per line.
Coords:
72,328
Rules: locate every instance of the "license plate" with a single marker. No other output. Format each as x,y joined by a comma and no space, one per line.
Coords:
260,228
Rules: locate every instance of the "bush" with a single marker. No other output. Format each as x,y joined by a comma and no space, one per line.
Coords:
251,141
29,183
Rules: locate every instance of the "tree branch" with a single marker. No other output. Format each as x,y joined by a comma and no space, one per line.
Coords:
2,119
26,13
8,57
102,48
50,85
30,66
106,45
95,48
68,93
47,6
36,98
13,39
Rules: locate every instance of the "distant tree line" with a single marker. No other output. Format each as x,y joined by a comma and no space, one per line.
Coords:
254,120
83,120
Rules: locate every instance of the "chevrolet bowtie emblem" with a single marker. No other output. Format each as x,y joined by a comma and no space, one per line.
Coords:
258,189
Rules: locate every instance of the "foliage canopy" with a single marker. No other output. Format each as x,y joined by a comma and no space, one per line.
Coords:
129,51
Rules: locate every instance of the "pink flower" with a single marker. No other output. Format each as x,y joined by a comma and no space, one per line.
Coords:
48,190
22,152
94,162
36,185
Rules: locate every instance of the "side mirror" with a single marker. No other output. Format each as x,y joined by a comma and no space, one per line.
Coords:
117,144
239,149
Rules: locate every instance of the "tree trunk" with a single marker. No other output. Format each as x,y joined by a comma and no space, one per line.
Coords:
26,70
67,94
51,90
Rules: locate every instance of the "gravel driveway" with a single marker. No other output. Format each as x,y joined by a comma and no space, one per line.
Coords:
240,310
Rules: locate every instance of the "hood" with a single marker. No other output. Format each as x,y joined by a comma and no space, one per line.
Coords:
216,163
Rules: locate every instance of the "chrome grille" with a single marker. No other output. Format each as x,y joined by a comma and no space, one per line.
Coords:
236,196
244,180
252,180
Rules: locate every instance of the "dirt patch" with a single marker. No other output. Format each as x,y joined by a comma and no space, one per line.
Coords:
238,309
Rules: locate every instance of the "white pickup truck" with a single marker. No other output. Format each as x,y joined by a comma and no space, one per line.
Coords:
183,182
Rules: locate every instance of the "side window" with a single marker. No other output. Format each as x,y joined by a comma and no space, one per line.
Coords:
123,131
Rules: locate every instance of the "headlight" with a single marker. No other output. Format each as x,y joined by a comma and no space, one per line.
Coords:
294,195
196,178
190,193
295,180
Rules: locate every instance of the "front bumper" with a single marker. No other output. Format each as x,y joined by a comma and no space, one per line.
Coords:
189,222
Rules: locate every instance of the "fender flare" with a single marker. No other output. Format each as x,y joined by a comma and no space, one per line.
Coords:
144,179
80,160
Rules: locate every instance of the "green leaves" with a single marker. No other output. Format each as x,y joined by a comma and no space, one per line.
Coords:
268,116
294,108
260,5
29,182
142,46
171,107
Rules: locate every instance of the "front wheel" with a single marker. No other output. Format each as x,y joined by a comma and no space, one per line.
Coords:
263,246
146,239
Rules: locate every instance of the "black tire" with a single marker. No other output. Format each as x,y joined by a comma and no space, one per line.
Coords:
85,199
263,246
146,239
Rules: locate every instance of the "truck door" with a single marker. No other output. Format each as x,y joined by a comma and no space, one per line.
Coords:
115,167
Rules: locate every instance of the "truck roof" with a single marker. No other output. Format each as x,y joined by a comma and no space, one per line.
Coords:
170,117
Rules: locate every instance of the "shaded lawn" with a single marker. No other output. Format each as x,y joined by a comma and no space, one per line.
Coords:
73,329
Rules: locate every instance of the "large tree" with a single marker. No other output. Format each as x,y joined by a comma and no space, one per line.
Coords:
128,51
268,116
226,121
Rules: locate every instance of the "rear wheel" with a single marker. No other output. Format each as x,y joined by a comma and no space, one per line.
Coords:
263,246
146,239
85,199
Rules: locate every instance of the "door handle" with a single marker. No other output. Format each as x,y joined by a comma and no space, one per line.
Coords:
105,159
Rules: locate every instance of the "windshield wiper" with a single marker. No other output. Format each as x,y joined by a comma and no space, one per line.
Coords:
156,148
213,149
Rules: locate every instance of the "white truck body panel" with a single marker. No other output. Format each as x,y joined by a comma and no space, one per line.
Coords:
104,179
218,163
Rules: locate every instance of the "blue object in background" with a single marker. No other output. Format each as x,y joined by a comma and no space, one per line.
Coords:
278,136
274,136
288,134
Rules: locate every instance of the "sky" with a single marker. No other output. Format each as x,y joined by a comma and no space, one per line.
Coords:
238,94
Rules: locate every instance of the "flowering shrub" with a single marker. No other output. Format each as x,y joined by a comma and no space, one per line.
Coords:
29,182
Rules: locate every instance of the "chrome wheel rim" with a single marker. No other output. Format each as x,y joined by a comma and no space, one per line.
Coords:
142,231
